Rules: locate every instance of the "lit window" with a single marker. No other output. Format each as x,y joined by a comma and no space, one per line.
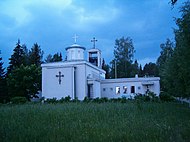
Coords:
117,90
124,90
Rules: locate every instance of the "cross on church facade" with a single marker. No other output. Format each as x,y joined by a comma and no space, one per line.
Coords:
75,38
94,40
59,76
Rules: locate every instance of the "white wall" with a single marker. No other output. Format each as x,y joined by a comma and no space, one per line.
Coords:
50,83
108,86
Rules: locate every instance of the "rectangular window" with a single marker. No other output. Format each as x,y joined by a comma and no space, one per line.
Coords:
124,90
111,89
104,89
132,89
117,89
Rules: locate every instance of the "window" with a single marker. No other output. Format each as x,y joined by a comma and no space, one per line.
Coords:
117,90
79,55
132,89
124,90
104,89
111,89
139,87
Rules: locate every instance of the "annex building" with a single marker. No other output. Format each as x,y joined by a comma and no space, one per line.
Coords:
78,77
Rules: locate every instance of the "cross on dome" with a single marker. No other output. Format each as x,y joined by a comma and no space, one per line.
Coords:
94,40
75,38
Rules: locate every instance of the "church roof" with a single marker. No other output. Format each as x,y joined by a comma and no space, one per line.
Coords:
145,80
75,46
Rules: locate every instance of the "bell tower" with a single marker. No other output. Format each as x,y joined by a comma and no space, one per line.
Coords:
94,55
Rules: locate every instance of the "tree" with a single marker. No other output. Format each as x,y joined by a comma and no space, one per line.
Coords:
55,58
24,81
176,75
135,69
181,59
3,88
35,55
123,57
173,1
17,58
141,71
150,69
106,68
166,53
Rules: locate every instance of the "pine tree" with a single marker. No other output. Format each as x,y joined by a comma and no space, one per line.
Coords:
35,55
150,69
17,58
106,68
55,58
3,87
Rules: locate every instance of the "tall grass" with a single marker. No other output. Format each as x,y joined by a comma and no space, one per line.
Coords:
95,122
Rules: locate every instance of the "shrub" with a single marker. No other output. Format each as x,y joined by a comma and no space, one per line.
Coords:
123,100
67,99
18,100
51,101
164,96
76,100
87,99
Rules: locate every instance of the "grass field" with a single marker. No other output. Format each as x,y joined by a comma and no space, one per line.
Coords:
148,122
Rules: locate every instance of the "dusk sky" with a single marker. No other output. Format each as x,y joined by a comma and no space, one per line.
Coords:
53,23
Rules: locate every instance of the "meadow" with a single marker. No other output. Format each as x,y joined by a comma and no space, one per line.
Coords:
83,122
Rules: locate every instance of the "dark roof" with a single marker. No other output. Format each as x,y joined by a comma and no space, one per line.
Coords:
75,46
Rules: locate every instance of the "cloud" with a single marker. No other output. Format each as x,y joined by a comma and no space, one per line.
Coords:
147,60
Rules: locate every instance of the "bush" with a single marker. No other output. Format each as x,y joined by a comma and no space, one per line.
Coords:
18,100
51,101
87,100
147,97
164,96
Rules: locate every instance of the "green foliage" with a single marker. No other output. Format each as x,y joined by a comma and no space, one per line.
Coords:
106,68
51,101
55,58
18,100
164,96
35,55
150,69
18,57
87,99
3,86
123,58
150,96
24,81
81,122
175,73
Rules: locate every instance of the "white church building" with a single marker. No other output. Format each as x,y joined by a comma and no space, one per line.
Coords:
80,78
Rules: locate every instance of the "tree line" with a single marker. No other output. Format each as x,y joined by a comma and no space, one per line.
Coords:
23,75
173,64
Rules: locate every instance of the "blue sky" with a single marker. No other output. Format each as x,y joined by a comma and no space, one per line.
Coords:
53,23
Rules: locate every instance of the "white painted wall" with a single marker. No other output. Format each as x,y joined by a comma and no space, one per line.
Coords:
50,83
108,86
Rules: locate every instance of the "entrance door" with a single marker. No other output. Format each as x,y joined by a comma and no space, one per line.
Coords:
90,91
